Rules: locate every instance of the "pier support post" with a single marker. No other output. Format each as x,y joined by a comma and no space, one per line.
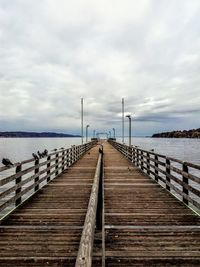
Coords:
167,174
17,181
63,161
141,160
56,162
156,166
148,163
185,180
48,166
36,173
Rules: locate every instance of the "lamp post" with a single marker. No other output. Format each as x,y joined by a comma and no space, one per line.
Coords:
87,132
114,132
82,120
122,120
129,117
94,133
110,134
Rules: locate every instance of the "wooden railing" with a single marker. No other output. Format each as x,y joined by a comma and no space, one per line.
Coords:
23,179
180,178
84,257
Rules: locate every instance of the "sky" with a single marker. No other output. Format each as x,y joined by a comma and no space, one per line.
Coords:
54,52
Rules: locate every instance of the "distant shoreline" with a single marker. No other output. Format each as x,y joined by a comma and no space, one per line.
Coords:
194,133
35,135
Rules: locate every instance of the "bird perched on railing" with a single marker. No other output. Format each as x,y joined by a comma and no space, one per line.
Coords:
45,153
7,162
55,149
40,154
35,156
62,148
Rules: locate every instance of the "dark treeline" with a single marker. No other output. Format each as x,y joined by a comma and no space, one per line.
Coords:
194,133
35,134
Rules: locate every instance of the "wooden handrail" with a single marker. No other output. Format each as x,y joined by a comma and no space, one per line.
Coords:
84,257
170,171
22,173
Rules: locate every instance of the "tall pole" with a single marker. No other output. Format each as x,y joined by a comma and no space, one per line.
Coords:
122,120
110,134
94,131
129,118
114,132
82,120
87,132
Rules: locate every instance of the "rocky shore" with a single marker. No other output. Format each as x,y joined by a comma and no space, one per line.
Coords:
194,133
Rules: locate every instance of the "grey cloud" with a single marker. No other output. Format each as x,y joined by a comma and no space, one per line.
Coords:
53,53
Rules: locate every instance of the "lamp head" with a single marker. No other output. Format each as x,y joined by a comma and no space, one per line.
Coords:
128,116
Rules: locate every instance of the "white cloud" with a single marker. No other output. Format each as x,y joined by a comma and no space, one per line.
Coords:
54,52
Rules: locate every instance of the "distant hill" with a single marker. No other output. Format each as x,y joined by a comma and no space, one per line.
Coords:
35,134
194,133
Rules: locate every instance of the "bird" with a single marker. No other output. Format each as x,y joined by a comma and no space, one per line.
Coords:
152,150
40,154
35,156
45,153
62,148
7,162
55,149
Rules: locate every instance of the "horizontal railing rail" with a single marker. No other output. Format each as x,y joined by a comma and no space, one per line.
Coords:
180,178
21,180
92,218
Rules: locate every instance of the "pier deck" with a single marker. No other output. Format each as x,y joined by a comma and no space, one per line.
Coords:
144,225
46,231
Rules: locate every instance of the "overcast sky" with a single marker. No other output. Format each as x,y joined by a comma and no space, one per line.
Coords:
53,52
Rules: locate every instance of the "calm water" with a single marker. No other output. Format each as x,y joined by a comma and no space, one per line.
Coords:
184,148
18,149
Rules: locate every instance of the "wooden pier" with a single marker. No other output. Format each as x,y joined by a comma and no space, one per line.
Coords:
138,222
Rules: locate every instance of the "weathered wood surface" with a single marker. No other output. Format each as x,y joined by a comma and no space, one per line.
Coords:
46,231
84,257
144,224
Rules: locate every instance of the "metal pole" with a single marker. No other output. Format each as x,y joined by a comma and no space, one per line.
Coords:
82,120
110,134
87,132
129,117
123,120
94,131
114,132
130,131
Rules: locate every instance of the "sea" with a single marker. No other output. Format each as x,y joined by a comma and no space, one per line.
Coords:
19,149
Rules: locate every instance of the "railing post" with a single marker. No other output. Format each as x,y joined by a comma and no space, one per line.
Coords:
185,180
137,157
141,160
48,171
73,154
63,161
167,173
132,155
17,181
56,162
156,166
148,162
36,173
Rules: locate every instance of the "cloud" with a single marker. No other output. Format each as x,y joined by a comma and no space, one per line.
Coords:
53,53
